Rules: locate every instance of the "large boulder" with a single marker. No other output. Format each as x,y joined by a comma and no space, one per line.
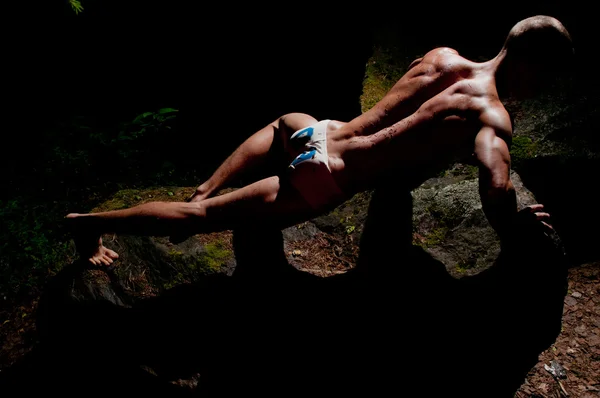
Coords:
449,223
148,266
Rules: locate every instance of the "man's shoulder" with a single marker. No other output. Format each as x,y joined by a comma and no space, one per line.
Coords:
445,58
497,117
442,50
435,55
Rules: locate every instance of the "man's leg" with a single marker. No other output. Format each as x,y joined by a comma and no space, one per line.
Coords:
269,202
270,141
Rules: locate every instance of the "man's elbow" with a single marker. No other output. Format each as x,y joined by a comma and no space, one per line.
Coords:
502,185
499,188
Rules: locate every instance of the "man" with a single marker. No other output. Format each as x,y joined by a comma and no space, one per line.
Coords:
444,109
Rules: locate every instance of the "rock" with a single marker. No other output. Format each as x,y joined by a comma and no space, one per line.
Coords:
543,387
301,232
449,223
593,340
556,369
148,266
570,301
581,330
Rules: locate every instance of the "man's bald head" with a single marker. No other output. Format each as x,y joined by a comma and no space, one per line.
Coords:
538,50
539,39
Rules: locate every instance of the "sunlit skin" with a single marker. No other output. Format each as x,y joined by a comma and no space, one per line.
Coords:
444,109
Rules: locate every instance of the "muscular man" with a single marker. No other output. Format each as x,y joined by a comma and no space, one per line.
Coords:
444,109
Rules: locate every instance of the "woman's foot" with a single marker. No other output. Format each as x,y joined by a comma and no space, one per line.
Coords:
88,245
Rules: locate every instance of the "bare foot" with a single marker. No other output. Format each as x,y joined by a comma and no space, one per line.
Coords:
102,255
88,245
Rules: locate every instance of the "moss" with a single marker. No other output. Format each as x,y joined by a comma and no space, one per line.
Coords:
121,200
188,270
175,254
213,257
433,238
127,198
472,172
461,267
177,280
522,149
215,254
382,72
464,266
469,171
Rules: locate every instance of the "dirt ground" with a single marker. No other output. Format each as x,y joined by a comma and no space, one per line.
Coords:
577,348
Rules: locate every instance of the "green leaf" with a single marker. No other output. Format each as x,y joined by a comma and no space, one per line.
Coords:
170,193
166,110
139,118
76,6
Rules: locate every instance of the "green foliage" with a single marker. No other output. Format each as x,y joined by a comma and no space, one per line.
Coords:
522,149
76,6
465,265
433,238
186,270
33,244
214,256
72,166
86,155
383,70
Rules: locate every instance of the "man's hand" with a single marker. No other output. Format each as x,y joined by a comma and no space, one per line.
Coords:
534,214
527,226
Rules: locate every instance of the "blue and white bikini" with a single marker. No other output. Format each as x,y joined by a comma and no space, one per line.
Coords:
314,181
314,139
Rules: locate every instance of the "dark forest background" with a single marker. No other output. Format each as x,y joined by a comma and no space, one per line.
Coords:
127,95
142,93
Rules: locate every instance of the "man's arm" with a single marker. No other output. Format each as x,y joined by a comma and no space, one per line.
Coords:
498,196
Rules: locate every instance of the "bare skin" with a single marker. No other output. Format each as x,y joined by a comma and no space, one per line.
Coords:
444,109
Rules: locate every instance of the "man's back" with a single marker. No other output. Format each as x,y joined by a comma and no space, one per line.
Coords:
428,119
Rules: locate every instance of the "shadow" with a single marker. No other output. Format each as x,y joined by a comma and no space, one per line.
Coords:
561,185
396,321
475,336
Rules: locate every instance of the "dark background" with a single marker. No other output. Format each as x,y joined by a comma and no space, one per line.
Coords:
228,68
71,80
231,69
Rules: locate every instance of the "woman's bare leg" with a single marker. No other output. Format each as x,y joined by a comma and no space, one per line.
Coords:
270,201
253,152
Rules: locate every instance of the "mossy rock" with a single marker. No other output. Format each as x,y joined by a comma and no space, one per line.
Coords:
449,223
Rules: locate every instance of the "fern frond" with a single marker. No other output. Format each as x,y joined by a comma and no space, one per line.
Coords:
76,6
